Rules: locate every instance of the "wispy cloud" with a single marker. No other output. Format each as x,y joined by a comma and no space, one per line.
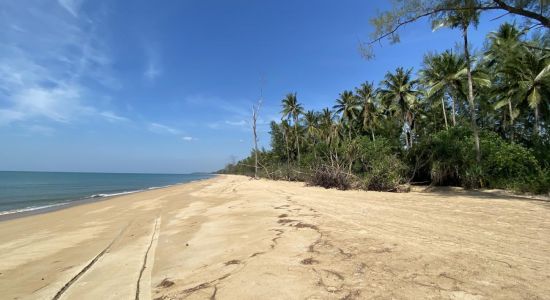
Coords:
163,129
112,117
240,123
72,6
152,71
188,138
47,60
153,66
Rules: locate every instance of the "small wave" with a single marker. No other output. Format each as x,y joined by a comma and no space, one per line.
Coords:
30,208
114,194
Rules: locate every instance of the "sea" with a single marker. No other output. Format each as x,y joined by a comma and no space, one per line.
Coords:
22,192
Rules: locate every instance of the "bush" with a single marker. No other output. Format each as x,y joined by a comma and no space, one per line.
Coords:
329,177
383,170
452,158
506,165
451,161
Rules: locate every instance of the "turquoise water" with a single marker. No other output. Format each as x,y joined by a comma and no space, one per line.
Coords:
28,191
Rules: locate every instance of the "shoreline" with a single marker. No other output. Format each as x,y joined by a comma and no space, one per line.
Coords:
84,201
230,237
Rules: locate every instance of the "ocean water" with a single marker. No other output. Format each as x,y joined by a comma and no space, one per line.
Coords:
29,191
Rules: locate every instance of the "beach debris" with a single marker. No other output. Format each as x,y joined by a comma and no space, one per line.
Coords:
165,283
233,262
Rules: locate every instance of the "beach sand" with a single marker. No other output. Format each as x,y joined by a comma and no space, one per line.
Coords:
234,238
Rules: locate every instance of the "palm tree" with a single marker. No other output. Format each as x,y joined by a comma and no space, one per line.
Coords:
503,55
444,74
400,96
349,108
293,109
311,124
326,122
534,81
366,95
463,19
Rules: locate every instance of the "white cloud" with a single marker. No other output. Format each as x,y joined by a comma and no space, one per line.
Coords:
8,116
47,60
240,123
112,117
188,138
152,68
72,6
163,129
152,71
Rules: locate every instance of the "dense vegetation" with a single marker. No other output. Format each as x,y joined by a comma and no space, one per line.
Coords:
472,121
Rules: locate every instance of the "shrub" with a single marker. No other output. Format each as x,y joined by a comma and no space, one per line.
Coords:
329,177
452,157
506,165
383,170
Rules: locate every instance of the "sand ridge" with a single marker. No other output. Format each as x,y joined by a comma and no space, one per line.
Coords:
234,238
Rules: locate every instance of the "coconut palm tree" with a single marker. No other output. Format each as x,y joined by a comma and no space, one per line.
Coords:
444,75
399,95
366,95
502,56
534,82
293,109
349,107
463,19
311,124
326,122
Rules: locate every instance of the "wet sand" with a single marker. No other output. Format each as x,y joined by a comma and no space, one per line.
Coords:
234,238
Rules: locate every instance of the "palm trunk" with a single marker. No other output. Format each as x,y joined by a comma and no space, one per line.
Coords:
287,155
511,120
453,110
297,137
471,93
372,132
537,128
444,113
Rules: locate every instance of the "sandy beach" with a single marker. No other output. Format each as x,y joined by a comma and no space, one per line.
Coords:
234,238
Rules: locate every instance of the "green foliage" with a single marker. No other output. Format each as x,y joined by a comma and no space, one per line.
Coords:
506,164
421,129
381,167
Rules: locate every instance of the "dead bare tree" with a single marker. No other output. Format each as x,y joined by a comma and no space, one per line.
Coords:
255,111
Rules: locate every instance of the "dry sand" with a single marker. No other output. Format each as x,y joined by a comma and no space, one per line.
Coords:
235,238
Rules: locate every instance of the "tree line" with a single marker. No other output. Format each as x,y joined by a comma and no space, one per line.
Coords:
468,120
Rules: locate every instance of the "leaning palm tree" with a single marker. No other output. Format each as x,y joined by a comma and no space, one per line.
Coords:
369,114
293,109
349,108
399,95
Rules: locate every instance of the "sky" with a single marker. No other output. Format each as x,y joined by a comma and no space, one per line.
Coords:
168,86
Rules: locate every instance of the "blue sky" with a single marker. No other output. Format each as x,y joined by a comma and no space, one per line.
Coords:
167,86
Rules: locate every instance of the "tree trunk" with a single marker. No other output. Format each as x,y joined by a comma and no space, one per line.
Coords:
537,129
372,132
511,120
453,110
254,117
471,93
297,137
444,113
287,154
